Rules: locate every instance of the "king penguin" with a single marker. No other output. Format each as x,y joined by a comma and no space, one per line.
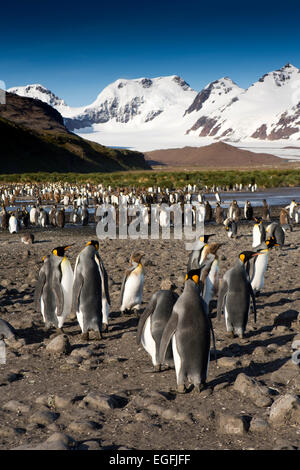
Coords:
196,256
90,280
132,285
258,232
231,227
260,264
275,230
153,321
210,274
189,330
53,294
234,296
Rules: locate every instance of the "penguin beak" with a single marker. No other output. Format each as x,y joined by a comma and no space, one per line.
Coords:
68,246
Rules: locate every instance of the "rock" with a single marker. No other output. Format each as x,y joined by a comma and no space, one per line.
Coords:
7,431
83,427
232,424
59,345
89,445
231,362
285,374
285,410
250,388
16,406
84,353
62,402
100,401
74,360
43,417
258,425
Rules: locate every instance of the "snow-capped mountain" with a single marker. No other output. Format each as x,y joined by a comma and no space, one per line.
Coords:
166,108
266,110
39,92
136,102
216,94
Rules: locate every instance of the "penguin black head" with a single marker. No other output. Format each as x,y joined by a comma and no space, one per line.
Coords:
271,242
94,243
257,220
60,250
194,275
247,255
204,238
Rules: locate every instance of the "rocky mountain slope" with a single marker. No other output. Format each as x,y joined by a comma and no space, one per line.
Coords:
34,138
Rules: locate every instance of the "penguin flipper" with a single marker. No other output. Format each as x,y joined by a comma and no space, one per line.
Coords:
253,301
221,299
38,290
169,331
148,311
105,278
59,296
77,286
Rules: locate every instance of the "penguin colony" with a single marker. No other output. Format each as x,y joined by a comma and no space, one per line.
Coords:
175,330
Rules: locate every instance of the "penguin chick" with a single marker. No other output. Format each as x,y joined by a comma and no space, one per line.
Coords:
234,296
53,292
132,285
90,280
189,330
153,321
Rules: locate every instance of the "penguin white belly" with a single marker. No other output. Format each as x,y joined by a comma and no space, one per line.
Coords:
79,315
67,285
133,291
43,309
13,225
260,267
211,282
228,327
256,236
105,311
176,357
148,341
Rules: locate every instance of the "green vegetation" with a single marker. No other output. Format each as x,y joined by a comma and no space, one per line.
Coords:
172,179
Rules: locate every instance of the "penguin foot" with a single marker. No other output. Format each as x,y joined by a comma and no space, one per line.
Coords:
60,331
105,327
85,336
181,389
199,387
99,335
230,334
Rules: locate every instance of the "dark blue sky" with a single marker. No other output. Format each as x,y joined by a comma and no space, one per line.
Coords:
76,50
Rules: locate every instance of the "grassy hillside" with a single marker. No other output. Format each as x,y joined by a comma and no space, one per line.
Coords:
34,139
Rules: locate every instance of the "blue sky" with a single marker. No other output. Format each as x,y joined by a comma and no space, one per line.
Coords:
77,50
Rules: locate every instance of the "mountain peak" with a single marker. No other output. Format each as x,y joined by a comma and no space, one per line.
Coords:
39,92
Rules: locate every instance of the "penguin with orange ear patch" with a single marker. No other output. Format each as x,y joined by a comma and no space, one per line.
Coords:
90,290
235,294
189,330
53,293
